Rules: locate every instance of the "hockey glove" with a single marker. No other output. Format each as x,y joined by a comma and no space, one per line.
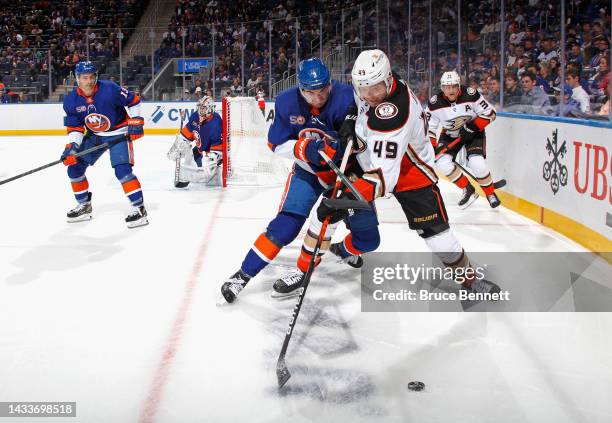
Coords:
347,129
135,127
67,156
335,215
442,145
307,149
468,132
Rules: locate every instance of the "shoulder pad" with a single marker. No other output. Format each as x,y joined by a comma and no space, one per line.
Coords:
392,114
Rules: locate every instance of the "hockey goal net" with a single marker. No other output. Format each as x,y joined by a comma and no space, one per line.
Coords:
247,160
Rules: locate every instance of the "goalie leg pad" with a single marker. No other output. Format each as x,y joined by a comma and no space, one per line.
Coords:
282,230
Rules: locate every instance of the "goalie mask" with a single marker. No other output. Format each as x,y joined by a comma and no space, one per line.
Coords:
206,107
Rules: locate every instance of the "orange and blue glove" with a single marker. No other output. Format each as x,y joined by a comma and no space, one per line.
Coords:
135,127
67,156
307,149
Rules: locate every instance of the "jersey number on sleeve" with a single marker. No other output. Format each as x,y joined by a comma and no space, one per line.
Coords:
390,149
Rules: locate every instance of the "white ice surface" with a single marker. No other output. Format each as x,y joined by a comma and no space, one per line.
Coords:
124,322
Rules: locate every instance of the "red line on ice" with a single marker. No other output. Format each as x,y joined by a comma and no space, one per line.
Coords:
153,400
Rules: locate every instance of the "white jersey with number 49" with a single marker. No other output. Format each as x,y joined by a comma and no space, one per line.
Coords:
394,152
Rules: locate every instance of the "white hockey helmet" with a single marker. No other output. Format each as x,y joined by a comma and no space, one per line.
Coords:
370,68
206,106
450,78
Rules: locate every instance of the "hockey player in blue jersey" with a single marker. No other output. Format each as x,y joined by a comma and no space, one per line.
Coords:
307,120
204,129
95,114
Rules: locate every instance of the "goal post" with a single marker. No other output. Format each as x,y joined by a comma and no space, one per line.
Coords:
247,159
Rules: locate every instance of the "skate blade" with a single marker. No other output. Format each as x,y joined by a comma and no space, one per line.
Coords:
82,218
140,222
220,301
285,296
473,198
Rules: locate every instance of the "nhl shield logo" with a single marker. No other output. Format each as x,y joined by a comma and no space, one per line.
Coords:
97,122
386,111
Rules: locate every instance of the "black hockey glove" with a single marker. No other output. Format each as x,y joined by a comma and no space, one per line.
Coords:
468,132
335,215
443,143
347,129
324,210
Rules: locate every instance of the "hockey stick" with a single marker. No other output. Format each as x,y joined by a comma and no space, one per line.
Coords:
282,372
53,163
497,184
342,177
448,147
177,163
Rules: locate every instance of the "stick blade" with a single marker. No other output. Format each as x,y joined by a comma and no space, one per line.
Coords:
282,372
180,184
499,184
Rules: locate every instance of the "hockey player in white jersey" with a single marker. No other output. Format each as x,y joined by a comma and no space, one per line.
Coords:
460,115
395,157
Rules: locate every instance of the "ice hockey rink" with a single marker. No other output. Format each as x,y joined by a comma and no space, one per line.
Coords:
125,322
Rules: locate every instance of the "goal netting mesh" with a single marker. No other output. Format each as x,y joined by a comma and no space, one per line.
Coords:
247,158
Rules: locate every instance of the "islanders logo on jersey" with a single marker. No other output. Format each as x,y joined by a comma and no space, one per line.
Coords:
97,122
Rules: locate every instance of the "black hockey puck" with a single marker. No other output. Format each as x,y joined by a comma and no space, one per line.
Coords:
416,386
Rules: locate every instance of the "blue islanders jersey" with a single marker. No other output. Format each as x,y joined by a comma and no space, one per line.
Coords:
103,113
206,134
293,115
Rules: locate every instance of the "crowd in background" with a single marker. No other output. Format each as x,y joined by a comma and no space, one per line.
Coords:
531,66
532,58
29,29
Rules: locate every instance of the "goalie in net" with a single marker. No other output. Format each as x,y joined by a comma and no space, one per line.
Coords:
202,162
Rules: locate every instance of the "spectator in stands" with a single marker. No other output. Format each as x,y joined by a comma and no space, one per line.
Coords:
544,79
570,108
575,55
548,49
601,45
252,82
236,88
512,92
534,96
599,81
572,78
605,109
493,91
4,97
